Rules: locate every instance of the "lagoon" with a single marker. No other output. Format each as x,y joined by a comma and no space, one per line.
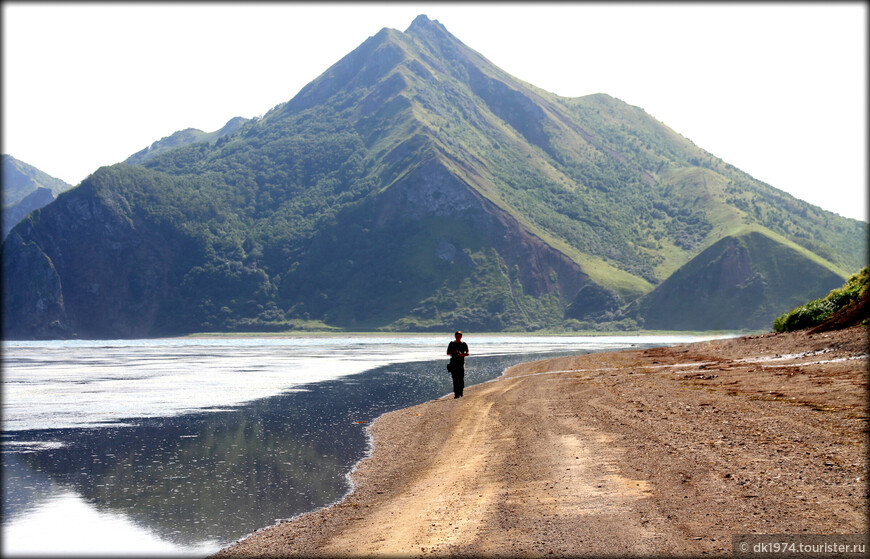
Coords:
182,446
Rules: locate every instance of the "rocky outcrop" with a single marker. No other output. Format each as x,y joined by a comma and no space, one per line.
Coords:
34,309
509,104
94,270
432,190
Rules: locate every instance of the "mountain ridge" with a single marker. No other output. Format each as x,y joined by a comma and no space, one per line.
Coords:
26,188
411,186
185,137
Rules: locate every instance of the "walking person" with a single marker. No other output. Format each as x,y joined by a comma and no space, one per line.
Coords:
458,351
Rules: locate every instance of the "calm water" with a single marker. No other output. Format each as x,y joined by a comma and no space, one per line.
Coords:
175,447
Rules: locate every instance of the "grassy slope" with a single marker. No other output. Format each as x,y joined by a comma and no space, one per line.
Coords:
590,192
705,189
746,279
677,164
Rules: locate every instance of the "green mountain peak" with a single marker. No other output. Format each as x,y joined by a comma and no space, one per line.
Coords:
416,186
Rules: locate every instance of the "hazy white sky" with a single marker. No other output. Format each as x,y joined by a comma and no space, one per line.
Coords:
779,90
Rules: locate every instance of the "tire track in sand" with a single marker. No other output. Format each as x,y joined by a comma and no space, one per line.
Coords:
474,491
445,505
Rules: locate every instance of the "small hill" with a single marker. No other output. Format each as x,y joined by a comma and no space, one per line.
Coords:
737,283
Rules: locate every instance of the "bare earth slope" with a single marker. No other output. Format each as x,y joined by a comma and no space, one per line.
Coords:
647,452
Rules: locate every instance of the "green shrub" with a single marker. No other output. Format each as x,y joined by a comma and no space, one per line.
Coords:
817,311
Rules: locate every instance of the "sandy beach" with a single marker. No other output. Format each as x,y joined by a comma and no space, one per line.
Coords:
667,451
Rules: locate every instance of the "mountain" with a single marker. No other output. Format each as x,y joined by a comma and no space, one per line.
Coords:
416,186
25,188
183,138
21,179
16,212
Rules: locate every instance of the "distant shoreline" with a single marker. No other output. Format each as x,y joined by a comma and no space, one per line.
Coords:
578,334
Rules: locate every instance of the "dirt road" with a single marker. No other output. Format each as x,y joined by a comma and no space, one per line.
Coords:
648,452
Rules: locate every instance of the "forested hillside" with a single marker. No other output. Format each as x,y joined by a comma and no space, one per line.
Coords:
415,186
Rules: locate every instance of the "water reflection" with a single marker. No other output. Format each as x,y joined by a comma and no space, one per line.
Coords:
211,478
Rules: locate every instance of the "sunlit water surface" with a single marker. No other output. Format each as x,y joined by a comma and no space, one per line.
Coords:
181,446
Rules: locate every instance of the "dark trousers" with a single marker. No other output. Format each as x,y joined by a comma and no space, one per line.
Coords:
458,374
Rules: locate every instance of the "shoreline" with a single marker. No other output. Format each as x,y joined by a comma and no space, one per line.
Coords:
370,445
709,334
591,455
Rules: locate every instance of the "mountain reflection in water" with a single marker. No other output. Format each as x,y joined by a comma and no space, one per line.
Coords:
213,477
